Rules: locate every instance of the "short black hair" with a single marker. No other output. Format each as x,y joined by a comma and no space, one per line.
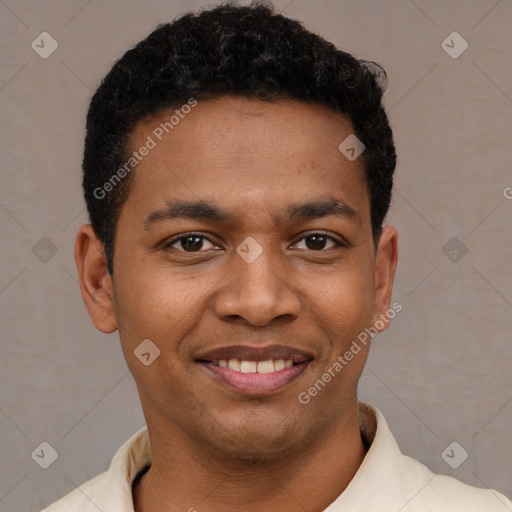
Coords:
229,50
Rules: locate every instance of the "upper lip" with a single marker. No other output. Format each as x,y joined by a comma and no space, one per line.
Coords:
249,353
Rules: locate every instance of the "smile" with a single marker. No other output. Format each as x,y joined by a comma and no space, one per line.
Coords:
255,370
269,366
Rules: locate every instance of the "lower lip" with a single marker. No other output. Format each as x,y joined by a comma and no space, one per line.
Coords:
256,383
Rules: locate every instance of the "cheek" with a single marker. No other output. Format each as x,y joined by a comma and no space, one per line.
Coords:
152,318
153,303
343,301
344,311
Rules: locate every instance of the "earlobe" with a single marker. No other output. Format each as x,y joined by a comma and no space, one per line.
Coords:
385,268
95,280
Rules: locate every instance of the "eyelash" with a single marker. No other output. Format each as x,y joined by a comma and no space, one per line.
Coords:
172,241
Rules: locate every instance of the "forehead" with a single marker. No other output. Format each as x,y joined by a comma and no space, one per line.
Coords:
246,152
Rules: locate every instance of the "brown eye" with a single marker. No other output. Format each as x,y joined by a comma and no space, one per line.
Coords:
189,243
318,241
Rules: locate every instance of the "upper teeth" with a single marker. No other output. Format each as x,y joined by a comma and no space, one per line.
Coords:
272,365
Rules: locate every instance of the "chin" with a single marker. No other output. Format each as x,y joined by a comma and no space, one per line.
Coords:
254,451
253,441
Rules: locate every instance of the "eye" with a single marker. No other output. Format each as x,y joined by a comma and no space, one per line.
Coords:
195,242
191,242
317,241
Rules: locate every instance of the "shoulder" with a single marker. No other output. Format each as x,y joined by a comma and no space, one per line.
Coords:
442,492
111,490
81,499
402,483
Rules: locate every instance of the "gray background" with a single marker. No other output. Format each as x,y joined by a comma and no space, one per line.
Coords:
441,373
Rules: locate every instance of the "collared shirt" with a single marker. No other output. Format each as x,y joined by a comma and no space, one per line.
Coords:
386,481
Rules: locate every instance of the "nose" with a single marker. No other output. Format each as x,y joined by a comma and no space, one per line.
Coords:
258,292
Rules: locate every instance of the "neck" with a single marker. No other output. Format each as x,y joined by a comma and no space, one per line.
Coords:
310,479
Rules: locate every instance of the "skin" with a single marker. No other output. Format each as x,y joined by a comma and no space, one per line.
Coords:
213,448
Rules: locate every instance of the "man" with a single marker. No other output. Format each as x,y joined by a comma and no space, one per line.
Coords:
237,172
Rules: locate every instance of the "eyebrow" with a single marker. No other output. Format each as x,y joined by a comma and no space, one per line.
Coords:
203,210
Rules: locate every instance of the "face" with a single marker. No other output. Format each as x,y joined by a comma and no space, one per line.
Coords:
244,252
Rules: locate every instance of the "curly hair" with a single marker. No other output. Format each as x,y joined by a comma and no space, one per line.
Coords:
231,50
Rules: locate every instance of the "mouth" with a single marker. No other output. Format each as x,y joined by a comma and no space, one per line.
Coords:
255,371
268,366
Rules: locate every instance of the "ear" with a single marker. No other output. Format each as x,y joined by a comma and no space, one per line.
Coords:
385,267
95,280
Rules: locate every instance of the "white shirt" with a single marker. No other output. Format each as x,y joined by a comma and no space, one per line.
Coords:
386,481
